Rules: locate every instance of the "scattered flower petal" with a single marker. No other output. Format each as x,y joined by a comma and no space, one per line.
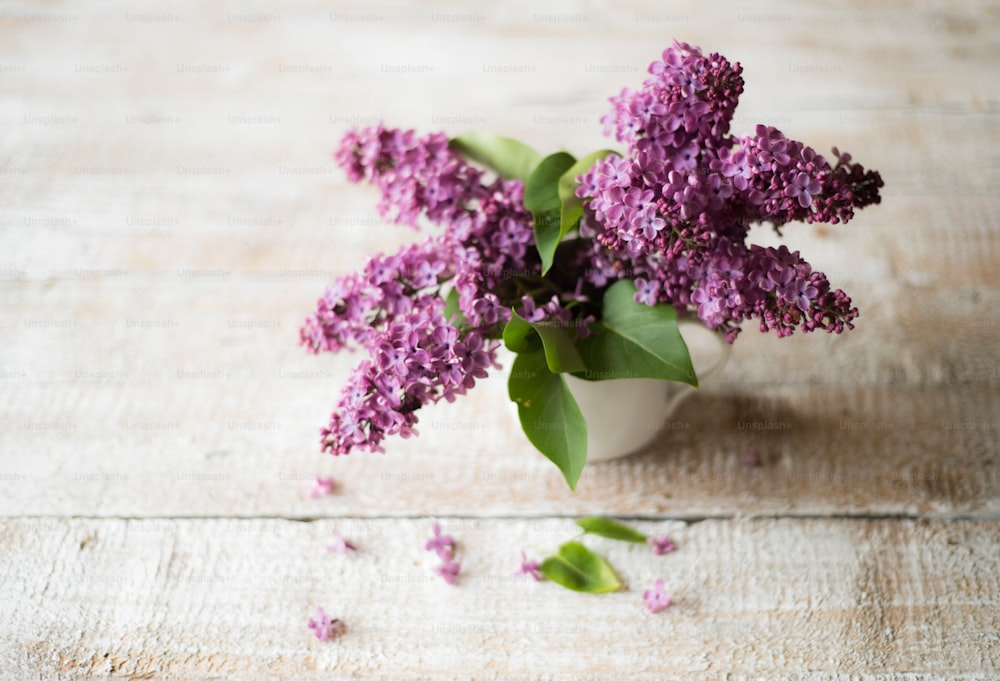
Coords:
530,567
340,545
448,569
323,486
323,627
661,545
656,599
442,544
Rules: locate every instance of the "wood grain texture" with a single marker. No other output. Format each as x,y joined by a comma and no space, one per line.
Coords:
209,599
248,449
169,212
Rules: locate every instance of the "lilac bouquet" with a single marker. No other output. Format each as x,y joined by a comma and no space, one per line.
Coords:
579,266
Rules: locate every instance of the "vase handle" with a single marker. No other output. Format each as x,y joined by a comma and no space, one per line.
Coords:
718,362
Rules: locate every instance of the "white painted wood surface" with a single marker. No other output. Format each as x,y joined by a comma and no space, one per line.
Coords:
200,599
169,212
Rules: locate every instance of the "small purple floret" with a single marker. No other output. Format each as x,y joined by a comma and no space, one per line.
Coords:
656,599
322,486
323,627
530,567
340,545
661,545
441,544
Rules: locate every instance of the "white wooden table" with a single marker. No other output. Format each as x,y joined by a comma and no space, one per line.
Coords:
169,212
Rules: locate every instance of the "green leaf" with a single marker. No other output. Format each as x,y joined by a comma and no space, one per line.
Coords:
541,197
547,236
578,568
561,355
451,309
572,205
611,529
519,336
541,190
549,414
635,341
508,158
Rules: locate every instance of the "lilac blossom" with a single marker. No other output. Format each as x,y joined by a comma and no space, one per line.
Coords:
441,544
673,212
646,291
803,188
530,567
656,599
485,220
394,308
322,486
661,545
418,358
340,545
449,568
323,627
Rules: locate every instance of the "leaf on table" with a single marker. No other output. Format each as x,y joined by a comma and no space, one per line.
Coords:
611,529
578,568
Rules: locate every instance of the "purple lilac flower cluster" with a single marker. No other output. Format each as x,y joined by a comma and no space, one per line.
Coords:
674,211
418,357
394,308
488,234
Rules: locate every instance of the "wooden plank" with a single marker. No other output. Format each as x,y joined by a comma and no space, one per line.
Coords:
208,447
781,599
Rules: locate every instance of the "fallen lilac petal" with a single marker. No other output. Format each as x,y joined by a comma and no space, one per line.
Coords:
440,543
323,486
661,545
323,627
340,545
448,569
530,567
656,599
